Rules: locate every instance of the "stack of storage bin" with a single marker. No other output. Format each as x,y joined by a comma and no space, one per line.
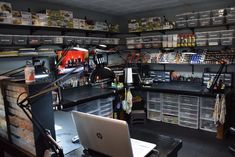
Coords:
206,114
154,107
189,108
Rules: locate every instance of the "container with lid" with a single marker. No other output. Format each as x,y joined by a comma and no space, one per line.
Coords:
29,72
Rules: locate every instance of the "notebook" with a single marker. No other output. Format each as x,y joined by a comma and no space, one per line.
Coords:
108,136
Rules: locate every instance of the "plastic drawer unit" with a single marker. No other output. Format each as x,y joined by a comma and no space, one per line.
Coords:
192,23
181,24
204,14
154,97
156,106
106,107
206,114
187,122
154,115
207,125
89,107
20,40
5,39
205,22
170,97
170,119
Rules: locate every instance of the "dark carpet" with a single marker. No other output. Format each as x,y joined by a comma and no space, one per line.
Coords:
196,143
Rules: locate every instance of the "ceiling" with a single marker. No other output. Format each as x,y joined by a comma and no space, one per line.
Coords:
123,7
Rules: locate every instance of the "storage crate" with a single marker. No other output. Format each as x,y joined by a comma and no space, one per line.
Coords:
204,14
181,24
34,40
68,40
201,35
154,115
218,20
157,38
192,16
170,119
192,23
207,125
192,100
47,40
154,106
205,22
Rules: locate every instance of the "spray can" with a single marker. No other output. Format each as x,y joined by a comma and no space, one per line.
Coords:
29,72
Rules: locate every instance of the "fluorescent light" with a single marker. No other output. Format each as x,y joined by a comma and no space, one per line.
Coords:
189,53
79,49
102,45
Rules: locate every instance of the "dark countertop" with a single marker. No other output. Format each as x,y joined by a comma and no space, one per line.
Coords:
186,88
75,96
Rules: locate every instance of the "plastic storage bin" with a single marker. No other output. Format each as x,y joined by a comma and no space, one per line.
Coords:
230,11
206,114
188,107
152,96
68,40
154,115
218,12
207,102
227,33
207,125
170,98
20,40
205,22
181,17
204,14
218,20
188,124
227,41
34,40
192,16
170,119
171,104
192,23
181,24
154,106
5,39
47,40
89,107
185,99
230,19
170,111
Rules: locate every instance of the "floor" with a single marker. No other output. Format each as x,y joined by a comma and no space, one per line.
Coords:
196,143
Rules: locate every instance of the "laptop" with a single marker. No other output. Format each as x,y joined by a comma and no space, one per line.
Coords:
108,136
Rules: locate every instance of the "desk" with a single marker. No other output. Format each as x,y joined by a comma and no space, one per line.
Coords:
167,146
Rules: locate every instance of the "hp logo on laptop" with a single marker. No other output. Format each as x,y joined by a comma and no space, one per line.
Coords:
99,135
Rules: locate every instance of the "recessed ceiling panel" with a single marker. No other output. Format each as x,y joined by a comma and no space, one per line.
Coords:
122,7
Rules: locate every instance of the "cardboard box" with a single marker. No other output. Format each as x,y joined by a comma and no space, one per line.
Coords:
5,7
66,14
22,18
82,24
101,26
134,25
